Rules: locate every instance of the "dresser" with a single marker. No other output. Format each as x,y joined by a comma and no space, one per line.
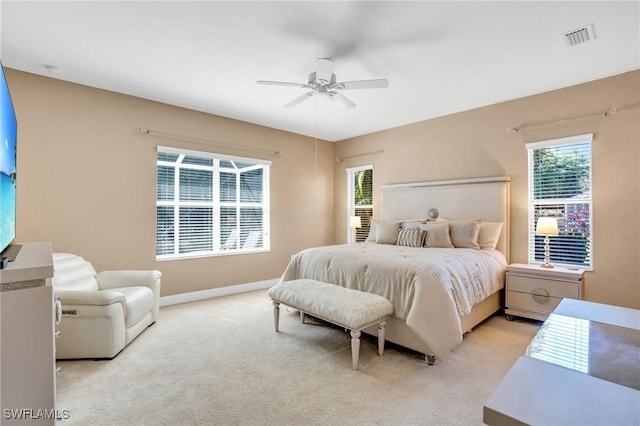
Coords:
534,292
27,341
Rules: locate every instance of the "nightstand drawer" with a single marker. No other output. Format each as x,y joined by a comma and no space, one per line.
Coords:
554,288
536,302
534,292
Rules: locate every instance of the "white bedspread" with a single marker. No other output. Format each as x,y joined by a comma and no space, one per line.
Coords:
430,288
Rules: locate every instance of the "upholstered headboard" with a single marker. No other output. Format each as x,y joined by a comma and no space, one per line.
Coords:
482,198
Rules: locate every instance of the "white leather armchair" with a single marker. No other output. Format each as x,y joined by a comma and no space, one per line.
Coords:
101,312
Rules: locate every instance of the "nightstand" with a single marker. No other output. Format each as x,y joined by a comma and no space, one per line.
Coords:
534,292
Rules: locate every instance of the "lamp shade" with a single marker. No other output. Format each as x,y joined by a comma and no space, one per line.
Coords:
355,222
547,226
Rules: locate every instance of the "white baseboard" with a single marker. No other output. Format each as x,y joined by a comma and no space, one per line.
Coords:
194,296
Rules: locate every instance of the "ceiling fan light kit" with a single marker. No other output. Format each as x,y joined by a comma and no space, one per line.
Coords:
324,82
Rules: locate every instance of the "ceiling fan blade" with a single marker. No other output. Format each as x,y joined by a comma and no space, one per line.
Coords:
363,84
324,70
299,99
342,100
283,83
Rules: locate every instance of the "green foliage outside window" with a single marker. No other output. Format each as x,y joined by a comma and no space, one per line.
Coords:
363,201
559,175
364,187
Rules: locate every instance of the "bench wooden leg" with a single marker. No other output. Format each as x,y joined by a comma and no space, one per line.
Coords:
381,337
276,314
355,348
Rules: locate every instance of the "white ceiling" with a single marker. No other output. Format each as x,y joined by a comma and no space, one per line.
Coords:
439,57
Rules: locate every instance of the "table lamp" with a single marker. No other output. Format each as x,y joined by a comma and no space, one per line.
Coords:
547,226
355,222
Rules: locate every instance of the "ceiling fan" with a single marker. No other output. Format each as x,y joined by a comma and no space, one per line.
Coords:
323,82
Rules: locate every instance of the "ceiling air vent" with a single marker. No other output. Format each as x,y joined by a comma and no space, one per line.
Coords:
578,36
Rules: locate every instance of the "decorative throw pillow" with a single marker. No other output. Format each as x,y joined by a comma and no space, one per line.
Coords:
464,233
387,232
411,237
437,235
489,234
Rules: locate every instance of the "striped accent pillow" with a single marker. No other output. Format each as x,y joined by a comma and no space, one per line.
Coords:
411,237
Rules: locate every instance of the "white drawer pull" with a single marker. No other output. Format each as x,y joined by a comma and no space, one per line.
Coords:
58,311
540,295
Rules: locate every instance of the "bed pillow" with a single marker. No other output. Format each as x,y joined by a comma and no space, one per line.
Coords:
464,233
411,224
411,237
371,238
437,235
489,234
387,232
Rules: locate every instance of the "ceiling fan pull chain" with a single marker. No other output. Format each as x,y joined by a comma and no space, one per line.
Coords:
316,146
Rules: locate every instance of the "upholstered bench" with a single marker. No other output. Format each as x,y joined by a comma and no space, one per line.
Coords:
352,309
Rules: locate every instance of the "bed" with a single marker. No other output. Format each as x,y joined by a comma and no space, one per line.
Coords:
439,292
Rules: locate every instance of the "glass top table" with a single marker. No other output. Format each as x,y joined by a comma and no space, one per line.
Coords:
605,351
582,368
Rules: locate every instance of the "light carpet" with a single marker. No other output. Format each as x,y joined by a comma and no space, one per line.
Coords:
220,362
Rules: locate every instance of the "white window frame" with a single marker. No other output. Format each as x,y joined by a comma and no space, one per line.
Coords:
243,246
587,200
351,207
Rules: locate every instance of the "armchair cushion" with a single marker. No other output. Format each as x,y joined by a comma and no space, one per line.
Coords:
139,303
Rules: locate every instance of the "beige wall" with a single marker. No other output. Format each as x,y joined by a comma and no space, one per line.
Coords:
476,143
87,177
86,181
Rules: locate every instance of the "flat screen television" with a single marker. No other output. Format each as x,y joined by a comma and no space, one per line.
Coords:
8,141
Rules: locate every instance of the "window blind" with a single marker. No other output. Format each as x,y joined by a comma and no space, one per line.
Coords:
359,201
209,204
560,187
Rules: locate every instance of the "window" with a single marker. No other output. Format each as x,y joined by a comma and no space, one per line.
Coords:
360,201
560,187
209,204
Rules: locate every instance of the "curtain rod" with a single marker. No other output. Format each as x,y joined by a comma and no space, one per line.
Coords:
549,123
366,154
168,135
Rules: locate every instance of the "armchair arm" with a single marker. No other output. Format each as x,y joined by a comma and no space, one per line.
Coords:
96,298
115,279
149,278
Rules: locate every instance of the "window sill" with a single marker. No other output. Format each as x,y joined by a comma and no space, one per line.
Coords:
205,255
